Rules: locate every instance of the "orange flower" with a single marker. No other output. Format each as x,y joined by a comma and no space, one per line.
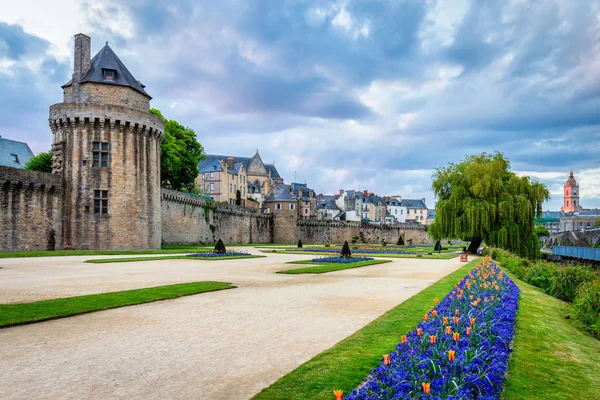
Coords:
403,339
419,331
456,336
492,298
338,394
448,330
472,321
431,308
497,288
434,313
451,355
426,387
386,359
471,297
426,317
468,330
456,319
445,319
432,339
436,301
485,299
474,303
457,312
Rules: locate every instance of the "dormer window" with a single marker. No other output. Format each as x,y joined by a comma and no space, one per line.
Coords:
109,74
15,158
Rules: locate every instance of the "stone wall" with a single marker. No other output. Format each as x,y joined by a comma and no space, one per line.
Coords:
189,219
338,231
30,204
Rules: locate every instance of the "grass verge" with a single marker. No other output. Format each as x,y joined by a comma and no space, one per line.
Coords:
440,256
24,313
322,268
131,259
347,364
552,358
57,253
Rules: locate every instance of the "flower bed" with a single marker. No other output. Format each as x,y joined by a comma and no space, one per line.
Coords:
234,253
359,250
340,260
461,348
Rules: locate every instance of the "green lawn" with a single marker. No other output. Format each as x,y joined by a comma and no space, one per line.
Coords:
552,358
23,313
176,249
434,256
322,268
347,364
131,259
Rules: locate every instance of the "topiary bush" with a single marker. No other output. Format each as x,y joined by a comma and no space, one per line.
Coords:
540,274
400,241
566,281
383,243
327,245
587,306
346,251
220,247
299,243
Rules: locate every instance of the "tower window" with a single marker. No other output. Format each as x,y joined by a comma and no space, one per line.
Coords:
100,154
101,202
109,74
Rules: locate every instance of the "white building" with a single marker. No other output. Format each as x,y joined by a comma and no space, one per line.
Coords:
395,209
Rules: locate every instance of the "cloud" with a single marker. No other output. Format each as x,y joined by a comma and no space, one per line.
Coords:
342,93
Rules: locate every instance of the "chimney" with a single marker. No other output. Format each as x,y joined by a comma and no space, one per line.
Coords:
366,193
83,56
341,192
230,162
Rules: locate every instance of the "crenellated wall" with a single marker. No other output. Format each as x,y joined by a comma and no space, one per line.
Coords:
189,219
30,210
339,231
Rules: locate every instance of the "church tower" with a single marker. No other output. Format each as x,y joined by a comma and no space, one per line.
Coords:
571,196
106,148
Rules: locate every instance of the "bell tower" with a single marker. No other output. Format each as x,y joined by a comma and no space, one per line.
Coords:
106,148
571,196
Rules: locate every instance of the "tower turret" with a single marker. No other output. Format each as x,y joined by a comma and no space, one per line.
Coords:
106,147
571,196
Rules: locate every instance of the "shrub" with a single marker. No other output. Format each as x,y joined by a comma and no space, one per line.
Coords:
354,247
400,241
566,281
300,243
587,306
540,274
220,247
444,248
410,242
327,245
419,255
383,243
346,251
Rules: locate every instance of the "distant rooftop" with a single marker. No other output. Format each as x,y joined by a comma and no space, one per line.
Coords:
13,153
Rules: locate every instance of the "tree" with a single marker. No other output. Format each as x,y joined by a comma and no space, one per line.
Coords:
299,243
238,198
400,241
180,154
541,231
41,162
597,223
480,199
438,246
220,247
346,251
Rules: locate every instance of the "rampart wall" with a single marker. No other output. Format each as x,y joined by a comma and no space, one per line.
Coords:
30,204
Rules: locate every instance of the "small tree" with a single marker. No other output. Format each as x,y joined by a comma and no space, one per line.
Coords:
220,247
597,223
41,162
346,251
400,241
438,246
383,243
541,231
299,243
238,198
410,242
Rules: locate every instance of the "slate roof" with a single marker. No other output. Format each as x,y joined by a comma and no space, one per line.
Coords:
107,59
414,203
209,158
8,148
327,205
431,214
280,193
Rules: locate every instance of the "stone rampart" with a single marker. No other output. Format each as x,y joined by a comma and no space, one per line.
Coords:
30,216
338,231
189,219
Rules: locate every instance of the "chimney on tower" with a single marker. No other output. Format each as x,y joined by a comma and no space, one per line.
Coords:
82,59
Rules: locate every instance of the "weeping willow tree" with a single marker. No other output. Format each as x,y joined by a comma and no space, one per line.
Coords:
480,199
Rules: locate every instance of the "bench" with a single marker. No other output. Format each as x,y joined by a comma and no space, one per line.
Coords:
464,257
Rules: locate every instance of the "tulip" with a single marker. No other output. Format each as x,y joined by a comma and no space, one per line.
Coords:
485,299
456,336
436,301
492,298
457,311
448,330
471,297
419,331
386,359
403,339
426,387
451,355
468,330
472,321
434,313
431,308
426,317
456,319
338,394
432,339
445,319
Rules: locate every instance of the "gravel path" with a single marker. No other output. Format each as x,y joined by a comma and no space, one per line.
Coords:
221,345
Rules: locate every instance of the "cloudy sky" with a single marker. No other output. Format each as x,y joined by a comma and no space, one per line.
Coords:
339,93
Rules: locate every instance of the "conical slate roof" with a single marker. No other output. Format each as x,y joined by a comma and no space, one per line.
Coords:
107,59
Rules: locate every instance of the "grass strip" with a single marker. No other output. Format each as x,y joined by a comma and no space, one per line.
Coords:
131,259
440,256
57,253
24,313
321,268
552,358
347,364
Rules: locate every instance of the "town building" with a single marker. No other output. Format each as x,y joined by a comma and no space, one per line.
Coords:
396,210
571,201
222,180
13,153
416,210
306,200
431,214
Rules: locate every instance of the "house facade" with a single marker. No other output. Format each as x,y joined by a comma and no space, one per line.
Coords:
222,180
416,210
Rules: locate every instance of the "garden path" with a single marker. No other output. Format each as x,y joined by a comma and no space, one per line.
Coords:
220,345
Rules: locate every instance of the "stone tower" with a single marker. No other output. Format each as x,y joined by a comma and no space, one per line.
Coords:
107,149
571,196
